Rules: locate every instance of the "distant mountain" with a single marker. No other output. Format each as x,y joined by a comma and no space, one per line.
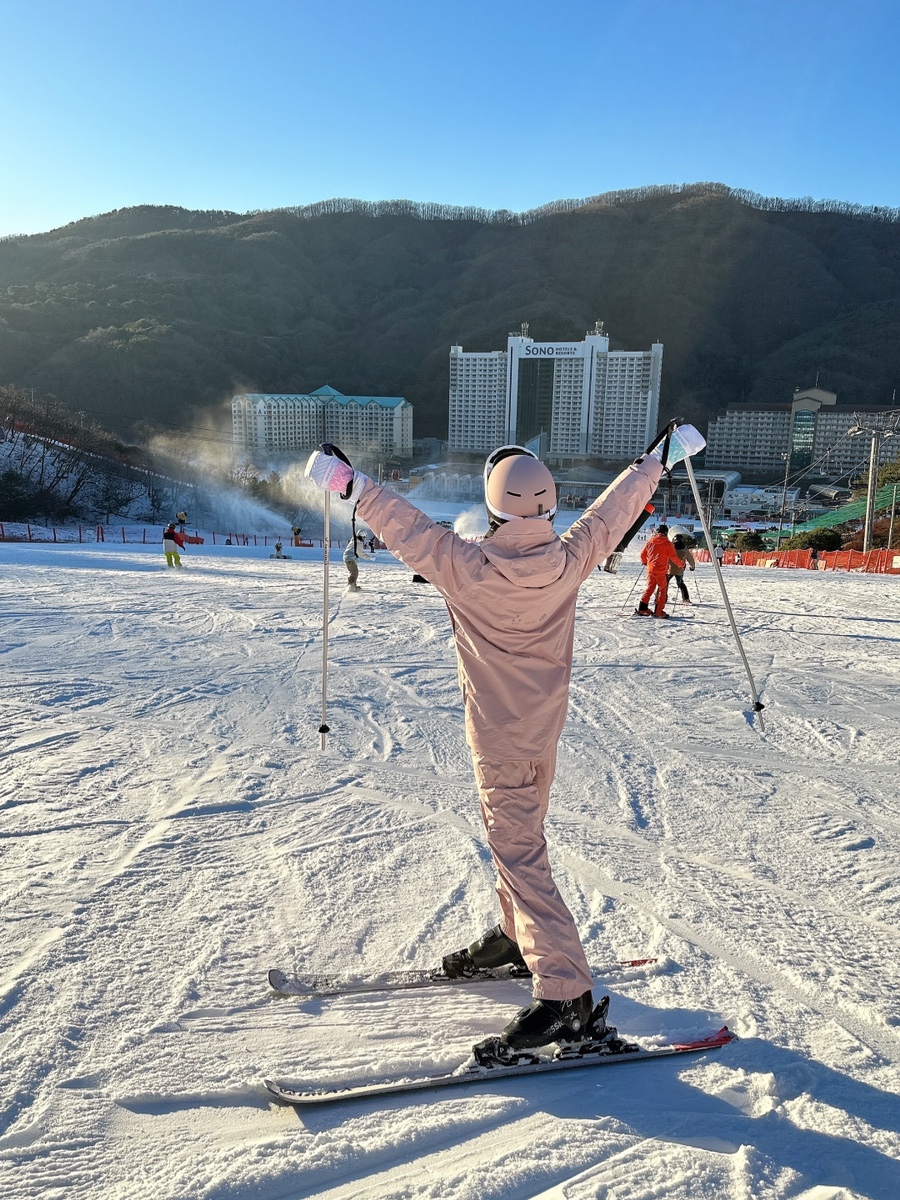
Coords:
158,314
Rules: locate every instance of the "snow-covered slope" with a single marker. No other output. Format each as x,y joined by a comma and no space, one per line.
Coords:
170,828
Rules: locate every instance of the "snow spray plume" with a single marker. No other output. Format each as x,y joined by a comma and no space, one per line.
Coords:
215,483
470,523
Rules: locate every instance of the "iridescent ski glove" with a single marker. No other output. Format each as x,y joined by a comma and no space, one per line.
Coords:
332,471
684,441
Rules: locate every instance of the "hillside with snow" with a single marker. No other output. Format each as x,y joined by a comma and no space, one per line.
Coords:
171,828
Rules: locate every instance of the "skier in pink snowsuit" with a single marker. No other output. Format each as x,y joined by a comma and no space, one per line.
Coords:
512,601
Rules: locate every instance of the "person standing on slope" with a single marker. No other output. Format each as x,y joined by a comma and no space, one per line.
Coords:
676,572
173,542
512,602
354,552
656,556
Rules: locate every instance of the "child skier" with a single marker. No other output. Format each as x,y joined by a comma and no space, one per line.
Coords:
512,606
354,552
656,556
173,541
675,571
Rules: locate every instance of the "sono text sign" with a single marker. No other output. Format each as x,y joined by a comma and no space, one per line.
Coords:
553,350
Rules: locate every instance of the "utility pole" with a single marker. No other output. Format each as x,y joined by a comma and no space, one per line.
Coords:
879,427
787,468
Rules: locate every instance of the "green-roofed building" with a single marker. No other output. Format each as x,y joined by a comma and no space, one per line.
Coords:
370,426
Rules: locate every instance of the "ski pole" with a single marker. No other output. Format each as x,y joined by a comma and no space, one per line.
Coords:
323,728
757,704
638,578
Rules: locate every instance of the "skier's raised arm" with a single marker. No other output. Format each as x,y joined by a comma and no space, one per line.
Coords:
424,546
598,532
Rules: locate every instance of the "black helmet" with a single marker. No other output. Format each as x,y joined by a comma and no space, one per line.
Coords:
663,529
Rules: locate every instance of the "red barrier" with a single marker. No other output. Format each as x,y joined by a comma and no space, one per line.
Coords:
883,562
875,562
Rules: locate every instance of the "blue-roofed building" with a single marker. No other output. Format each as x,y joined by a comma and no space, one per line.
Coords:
368,426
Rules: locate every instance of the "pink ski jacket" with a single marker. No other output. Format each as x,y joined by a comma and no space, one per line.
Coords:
512,603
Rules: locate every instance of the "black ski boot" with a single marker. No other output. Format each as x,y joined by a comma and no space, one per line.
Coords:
544,1023
600,1038
493,949
576,1029
548,1021
643,610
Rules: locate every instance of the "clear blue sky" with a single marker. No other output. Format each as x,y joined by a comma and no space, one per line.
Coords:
266,103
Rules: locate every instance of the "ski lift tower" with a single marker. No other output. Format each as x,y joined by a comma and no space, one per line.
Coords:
879,427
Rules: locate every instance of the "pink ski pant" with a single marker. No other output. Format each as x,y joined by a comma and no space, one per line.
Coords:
514,798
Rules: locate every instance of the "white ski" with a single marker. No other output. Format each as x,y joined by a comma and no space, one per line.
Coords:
395,981
470,1073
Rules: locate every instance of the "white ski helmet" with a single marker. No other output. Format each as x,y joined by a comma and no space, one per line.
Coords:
517,484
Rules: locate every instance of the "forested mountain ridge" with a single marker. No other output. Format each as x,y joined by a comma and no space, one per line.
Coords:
159,314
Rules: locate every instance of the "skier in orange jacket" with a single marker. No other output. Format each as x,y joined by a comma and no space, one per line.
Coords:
656,556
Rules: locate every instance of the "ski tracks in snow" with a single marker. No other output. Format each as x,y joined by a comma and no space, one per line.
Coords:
744,807
171,828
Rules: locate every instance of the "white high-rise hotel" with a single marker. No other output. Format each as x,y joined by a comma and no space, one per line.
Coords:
588,401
